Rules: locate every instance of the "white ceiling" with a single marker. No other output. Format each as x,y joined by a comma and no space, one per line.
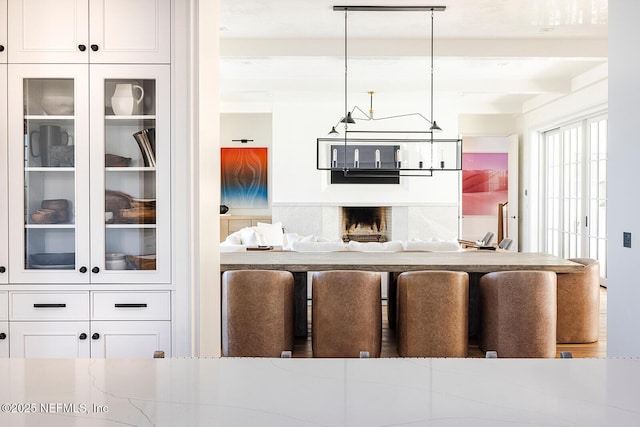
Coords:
495,55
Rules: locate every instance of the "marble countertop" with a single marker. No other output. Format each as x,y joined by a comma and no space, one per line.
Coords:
320,392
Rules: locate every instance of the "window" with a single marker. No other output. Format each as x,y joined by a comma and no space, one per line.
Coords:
574,171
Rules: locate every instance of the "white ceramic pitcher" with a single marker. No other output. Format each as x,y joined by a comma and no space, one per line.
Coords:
123,101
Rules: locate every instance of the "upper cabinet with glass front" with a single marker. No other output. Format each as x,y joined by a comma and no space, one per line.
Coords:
48,150
89,174
96,31
130,179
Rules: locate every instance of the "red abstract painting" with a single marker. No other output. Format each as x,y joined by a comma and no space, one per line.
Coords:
244,177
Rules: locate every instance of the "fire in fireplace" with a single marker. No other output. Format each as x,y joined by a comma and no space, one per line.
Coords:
366,224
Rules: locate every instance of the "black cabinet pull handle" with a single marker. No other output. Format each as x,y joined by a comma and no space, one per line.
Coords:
82,47
130,305
1,48
83,336
94,47
95,336
49,305
95,270
83,269
3,336
3,269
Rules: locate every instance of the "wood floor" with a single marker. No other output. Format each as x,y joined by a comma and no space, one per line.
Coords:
598,349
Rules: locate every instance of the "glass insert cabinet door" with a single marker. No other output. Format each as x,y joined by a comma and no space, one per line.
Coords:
130,183
89,174
48,173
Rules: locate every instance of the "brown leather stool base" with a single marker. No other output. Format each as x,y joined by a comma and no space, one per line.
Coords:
433,314
579,304
257,313
518,313
346,314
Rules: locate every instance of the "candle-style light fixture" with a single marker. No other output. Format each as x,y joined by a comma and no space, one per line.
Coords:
425,153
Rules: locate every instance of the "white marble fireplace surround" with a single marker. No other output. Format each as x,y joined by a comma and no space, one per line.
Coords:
408,221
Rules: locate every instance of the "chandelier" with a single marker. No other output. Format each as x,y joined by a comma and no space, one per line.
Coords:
384,154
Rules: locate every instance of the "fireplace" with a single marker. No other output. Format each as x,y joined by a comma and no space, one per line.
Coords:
365,224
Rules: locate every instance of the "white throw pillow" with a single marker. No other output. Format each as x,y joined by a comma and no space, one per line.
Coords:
234,238
317,246
392,246
270,234
249,237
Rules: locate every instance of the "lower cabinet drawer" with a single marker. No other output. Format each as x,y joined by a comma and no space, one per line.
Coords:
4,306
25,306
145,305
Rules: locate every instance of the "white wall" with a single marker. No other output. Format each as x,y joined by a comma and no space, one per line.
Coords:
255,126
299,120
623,315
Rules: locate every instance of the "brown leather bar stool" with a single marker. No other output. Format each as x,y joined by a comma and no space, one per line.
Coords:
346,314
579,304
518,313
257,313
433,314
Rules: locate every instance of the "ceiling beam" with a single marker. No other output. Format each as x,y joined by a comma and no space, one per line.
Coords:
475,48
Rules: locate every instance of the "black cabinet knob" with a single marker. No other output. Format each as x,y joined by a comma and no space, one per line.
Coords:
82,47
95,336
83,269
94,47
95,270
1,48
3,336
83,336
3,269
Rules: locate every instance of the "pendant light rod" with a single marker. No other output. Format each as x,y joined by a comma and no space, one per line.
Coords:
392,8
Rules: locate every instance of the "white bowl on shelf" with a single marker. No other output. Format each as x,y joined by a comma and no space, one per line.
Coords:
57,105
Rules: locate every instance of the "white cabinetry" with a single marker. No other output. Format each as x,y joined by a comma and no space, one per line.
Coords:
4,225
4,325
95,205
49,324
130,324
3,31
96,31
59,324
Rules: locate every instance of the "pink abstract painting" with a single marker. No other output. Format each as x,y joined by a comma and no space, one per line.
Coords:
484,182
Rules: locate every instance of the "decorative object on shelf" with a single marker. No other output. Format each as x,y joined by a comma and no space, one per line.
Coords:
53,211
53,261
49,138
417,152
123,101
146,147
143,262
244,177
128,210
115,161
115,261
224,209
57,97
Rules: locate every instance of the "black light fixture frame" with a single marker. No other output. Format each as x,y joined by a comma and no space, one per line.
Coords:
349,118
